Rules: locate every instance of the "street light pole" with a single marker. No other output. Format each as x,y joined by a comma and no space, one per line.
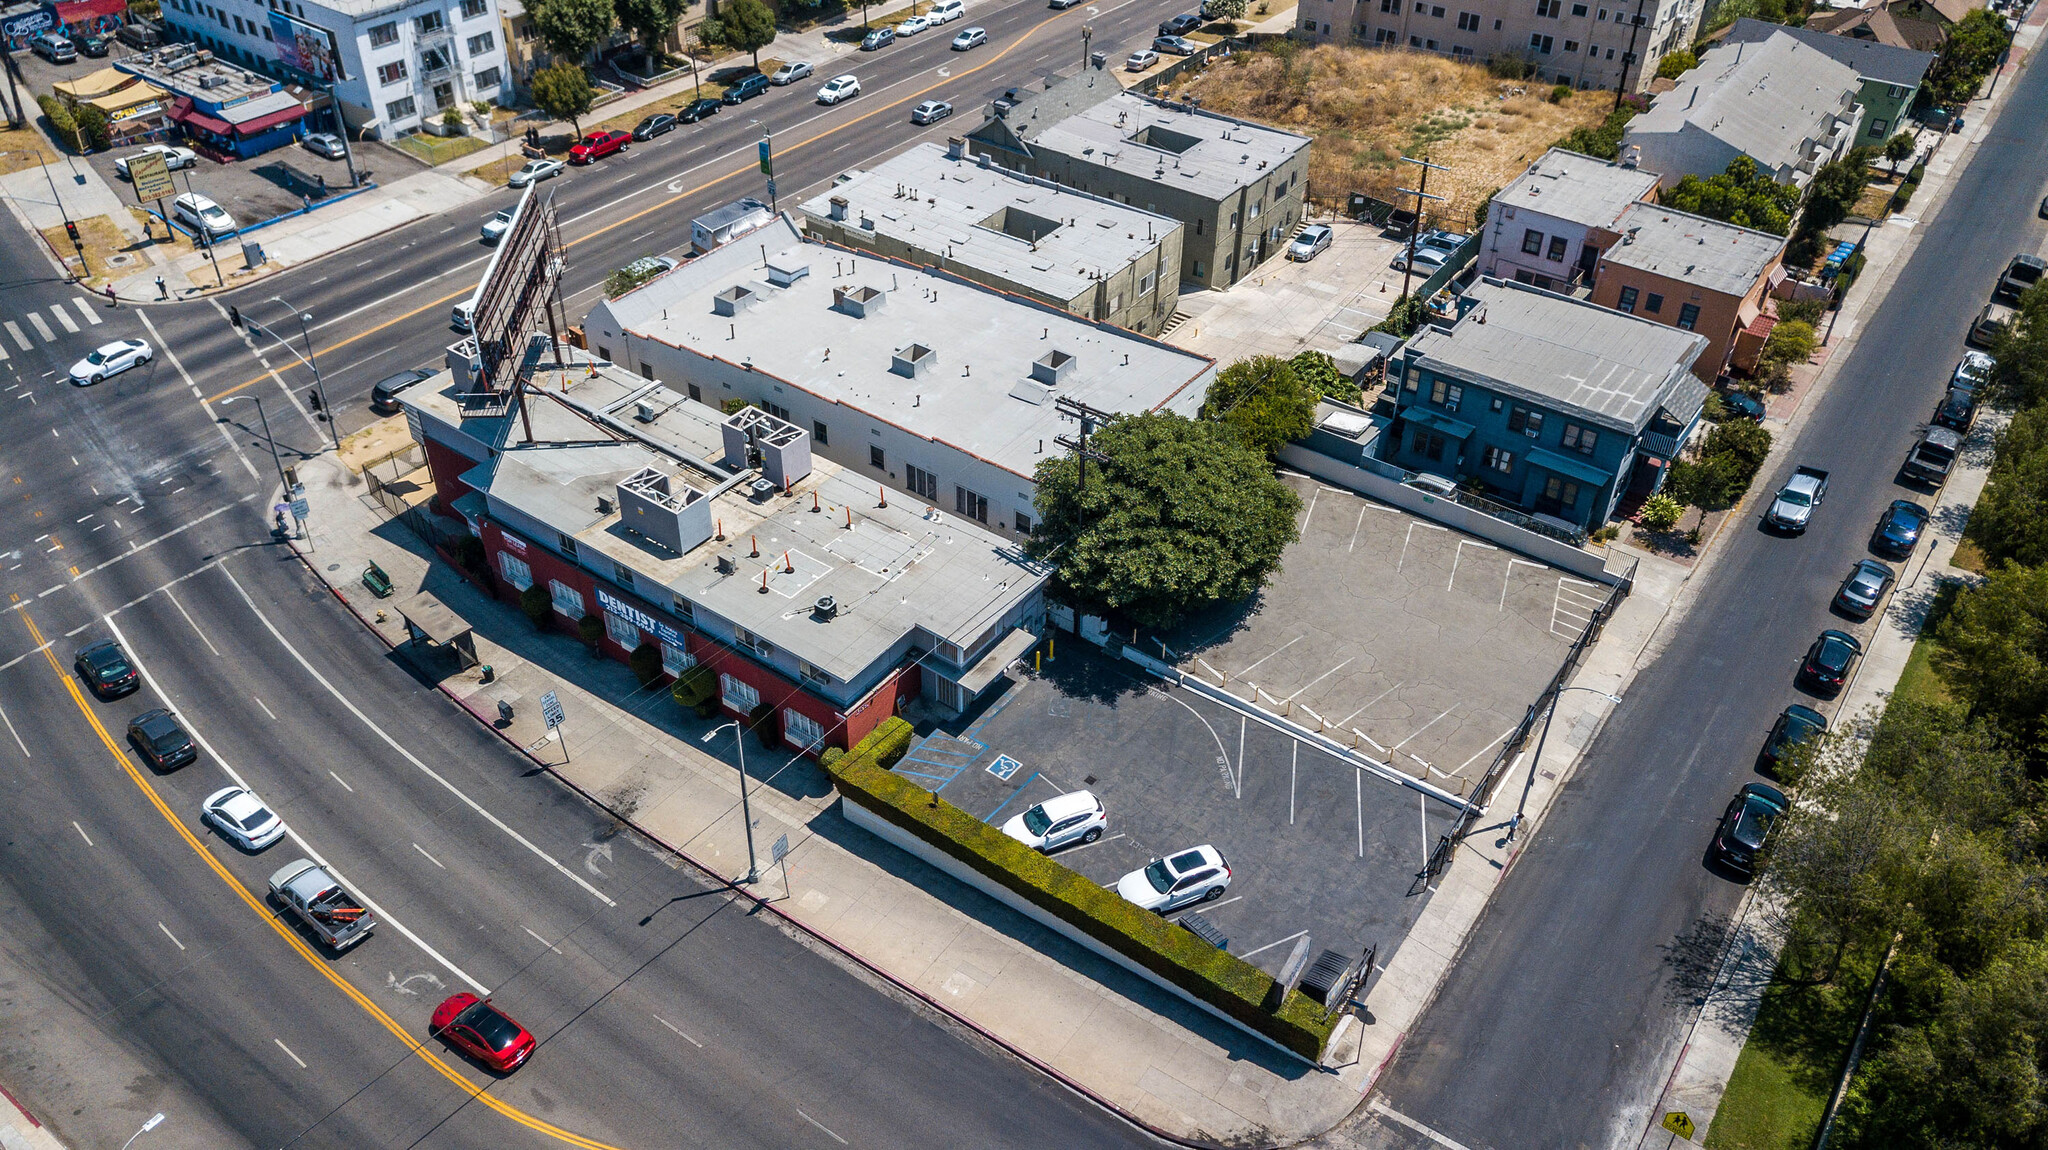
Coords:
1516,823
313,361
739,738
148,1126
267,438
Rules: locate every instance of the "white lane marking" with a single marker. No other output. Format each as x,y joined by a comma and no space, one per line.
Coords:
1319,678
195,626
679,1034
1275,651
191,728
265,706
428,857
64,319
10,722
1459,557
1346,720
86,309
19,338
288,1053
42,329
1079,847
1274,943
395,745
146,594
198,395
1381,1108
167,934
1355,528
134,548
343,782
529,930
821,1126
81,832
1422,808
1293,772
1358,786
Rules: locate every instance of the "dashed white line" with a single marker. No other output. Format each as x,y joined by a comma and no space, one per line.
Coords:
81,832
821,1126
167,934
527,929
679,1034
342,781
265,706
10,722
288,1053
432,859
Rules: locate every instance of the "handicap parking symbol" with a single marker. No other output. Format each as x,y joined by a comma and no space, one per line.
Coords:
1004,767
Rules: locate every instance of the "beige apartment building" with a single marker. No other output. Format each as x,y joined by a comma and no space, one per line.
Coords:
1585,43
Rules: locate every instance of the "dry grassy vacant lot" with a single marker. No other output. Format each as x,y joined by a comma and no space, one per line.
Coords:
1367,107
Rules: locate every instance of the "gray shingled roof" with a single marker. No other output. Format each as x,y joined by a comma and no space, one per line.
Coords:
1613,369
1765,99
1705,253
1868,58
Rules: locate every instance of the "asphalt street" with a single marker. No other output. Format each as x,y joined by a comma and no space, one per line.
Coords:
136,510
1564,1015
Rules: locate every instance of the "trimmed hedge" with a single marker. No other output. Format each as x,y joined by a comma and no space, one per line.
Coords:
1216,977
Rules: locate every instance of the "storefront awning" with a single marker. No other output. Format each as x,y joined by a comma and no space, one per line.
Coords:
1581,471
183,112
998,660
264,123
1443,423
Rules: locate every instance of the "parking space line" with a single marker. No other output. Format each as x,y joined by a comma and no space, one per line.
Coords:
1084,846
1457,558
1489,746
1422,809
1422,728
1207,906
1355,529
1303,529
1243,723
1358,788
1406,539
1320,678
1293,772
1276,651
1509,575
1381,1108
1006,802
1274,943
1346,720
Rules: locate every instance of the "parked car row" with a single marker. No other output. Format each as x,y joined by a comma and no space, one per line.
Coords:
1166,883
941,12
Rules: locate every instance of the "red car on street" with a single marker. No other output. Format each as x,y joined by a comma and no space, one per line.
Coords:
598,145
482,1031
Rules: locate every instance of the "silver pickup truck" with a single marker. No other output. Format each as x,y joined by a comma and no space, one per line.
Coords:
308,891
1793,507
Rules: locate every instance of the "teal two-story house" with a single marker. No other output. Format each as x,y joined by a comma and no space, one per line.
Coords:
1556,406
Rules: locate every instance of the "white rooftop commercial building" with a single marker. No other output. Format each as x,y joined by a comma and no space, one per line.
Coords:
916,378
933,205
1783,104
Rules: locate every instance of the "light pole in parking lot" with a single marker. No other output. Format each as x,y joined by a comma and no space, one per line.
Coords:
1515,824
274,460
739,738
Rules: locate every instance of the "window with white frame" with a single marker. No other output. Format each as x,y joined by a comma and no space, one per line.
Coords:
482,43
488,78
801,729
400,109
568,600
391,73
622,631
1499,460
738,695
515,570
675,660
382,34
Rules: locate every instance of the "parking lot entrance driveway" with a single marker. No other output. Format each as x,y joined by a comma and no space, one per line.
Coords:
1318,848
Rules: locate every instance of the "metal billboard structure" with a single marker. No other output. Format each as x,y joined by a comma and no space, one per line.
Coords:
518,293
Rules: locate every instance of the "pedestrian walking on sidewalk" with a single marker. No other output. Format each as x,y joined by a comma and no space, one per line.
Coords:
163,290
113,301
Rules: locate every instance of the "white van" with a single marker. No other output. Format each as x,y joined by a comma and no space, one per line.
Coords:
463,315
946,11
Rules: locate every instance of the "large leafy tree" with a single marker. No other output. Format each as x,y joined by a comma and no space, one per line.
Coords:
2011,517
651,22
1741,195
1966,57
563,92
1176,516
1994,652
1263,402
1319,373
746,26
571,28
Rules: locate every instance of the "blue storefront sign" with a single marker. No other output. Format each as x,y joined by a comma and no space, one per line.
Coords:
641,619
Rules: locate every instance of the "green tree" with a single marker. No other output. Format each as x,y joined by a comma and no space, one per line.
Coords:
1993,653
563,92
651,22
1834,191
1676,63
1263,402
1319,373
1742,195
1898,150
2011,517
747,26
1405,316
1179,516
1604,141
1231,10
1482,209
92,125
1790,342
571,28
1971,50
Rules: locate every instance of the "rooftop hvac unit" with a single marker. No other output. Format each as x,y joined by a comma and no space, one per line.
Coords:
826,607
670,513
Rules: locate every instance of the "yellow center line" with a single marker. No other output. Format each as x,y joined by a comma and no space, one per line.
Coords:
290,936
706,185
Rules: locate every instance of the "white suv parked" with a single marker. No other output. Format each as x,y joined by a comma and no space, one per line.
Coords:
1076,817
204,216
1177,880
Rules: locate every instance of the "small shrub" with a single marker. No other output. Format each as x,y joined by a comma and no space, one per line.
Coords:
452,118
1561,93
1806,311
1916,173
590,629
1508,66
1660,513
1904,195
646,663
761,721
694,686
92,124
538,605
1605,533
470,556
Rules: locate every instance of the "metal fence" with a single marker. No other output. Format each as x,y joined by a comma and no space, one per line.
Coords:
1440,855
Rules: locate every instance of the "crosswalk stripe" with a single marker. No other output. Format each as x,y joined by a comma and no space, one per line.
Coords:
42,329
85,309
64,317
18,337
4,357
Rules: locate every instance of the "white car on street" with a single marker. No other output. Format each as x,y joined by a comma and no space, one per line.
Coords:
838,88
110,359
494,228
535,171
241,817
174,158
1177,880
1075,817
790,73
1427,260
912,26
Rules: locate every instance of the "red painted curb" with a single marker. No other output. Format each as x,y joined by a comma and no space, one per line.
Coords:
769,906
18,1106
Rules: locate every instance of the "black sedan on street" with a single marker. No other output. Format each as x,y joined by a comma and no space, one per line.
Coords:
1864,589
1746,825
697,110
1827,663
1796,724
1898,529
106,669
158,737
654,126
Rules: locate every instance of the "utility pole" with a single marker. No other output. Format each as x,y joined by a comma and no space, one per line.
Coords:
267,438
1087,35
1090,418
1420,193
1628,57
313,361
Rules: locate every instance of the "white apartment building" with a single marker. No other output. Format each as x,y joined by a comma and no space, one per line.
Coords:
394,65
1537,227
1584,43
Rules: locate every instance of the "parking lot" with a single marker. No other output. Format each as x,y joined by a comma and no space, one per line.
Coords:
1286,305
1419,646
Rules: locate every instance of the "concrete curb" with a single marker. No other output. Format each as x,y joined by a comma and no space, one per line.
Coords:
766,904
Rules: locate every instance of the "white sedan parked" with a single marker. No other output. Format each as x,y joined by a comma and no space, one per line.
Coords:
1309,242
912,26
838,88
239,815
1427,260
1177,880
1076,817
535,171
110,359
